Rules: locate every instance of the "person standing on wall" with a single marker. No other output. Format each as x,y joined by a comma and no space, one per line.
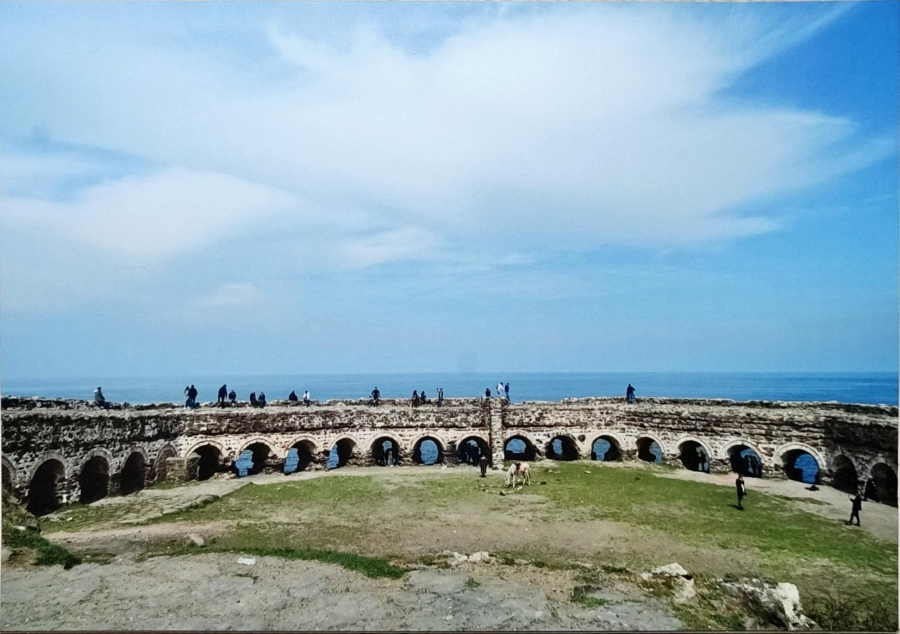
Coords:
306,398
223,394
741,491
376,397
500,389
629,394
506,391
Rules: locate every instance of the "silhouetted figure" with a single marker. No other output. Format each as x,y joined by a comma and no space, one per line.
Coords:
293,396
506,391
223,394
741,491
422,398
857,505
376,397
415,398
487,393
99,399
262,399
232,396
754,467
253,401
306,398
629,394
440,396
483,463
191,401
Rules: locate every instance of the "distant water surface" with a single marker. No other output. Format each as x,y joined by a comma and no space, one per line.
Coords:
876,388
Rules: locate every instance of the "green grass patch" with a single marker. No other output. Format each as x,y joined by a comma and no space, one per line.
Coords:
46,553
471,584
583,595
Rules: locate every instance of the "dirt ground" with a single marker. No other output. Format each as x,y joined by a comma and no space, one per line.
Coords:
214,591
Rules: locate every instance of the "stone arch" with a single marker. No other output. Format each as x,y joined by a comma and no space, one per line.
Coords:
417,448
568,448
10,474
691,452
161,467
881,485
306,452
843,474
211,454
50,455
43,492
467,453
731,452
382,456
262,451
346,446
310,442
643,443
133,474
788,454
93,478
212,443
531,447
615,445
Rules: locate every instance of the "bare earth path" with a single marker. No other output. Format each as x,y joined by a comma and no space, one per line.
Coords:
213,591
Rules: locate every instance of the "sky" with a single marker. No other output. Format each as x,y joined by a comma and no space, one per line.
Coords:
203,188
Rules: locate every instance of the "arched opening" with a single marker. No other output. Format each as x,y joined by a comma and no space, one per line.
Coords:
341,453
649,450
882,486
386,452
43,496
300,456
470,450
428,451
745,461
562,448
7,479
133,474
694,456
843,474
606,448
518,448
253,459
94,480
210,461
162,467
800,465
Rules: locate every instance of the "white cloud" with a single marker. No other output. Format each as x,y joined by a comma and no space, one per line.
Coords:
404,243
154,216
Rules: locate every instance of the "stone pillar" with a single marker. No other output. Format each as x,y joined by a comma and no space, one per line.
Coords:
183,469
496,413
450,455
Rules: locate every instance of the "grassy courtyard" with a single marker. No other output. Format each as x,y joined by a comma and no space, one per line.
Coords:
617,518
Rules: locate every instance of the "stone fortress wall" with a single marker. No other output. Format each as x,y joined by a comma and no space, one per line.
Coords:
57,451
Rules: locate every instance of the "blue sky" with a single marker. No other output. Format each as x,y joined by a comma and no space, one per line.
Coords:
250,188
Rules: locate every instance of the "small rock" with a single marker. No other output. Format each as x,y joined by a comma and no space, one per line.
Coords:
672,570
449,617
586,471
479,557
521,562
5,554
247,561
538,614
196,539
684,590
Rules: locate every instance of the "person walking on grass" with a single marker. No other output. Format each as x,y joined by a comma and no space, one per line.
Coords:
741,491
857,506
483,463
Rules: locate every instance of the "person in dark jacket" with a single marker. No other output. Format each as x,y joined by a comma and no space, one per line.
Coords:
232,396
293,396
483,463
415,398
741,491
99,399
253,401
376,396
629,394
223,394
857,505
262,399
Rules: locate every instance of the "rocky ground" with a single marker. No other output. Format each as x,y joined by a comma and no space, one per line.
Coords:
214,591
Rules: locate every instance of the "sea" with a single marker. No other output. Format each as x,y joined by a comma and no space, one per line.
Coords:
871,388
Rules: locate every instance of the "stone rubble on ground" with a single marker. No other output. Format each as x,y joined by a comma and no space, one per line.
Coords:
455,558
247,561
196,539
683,589
780,602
